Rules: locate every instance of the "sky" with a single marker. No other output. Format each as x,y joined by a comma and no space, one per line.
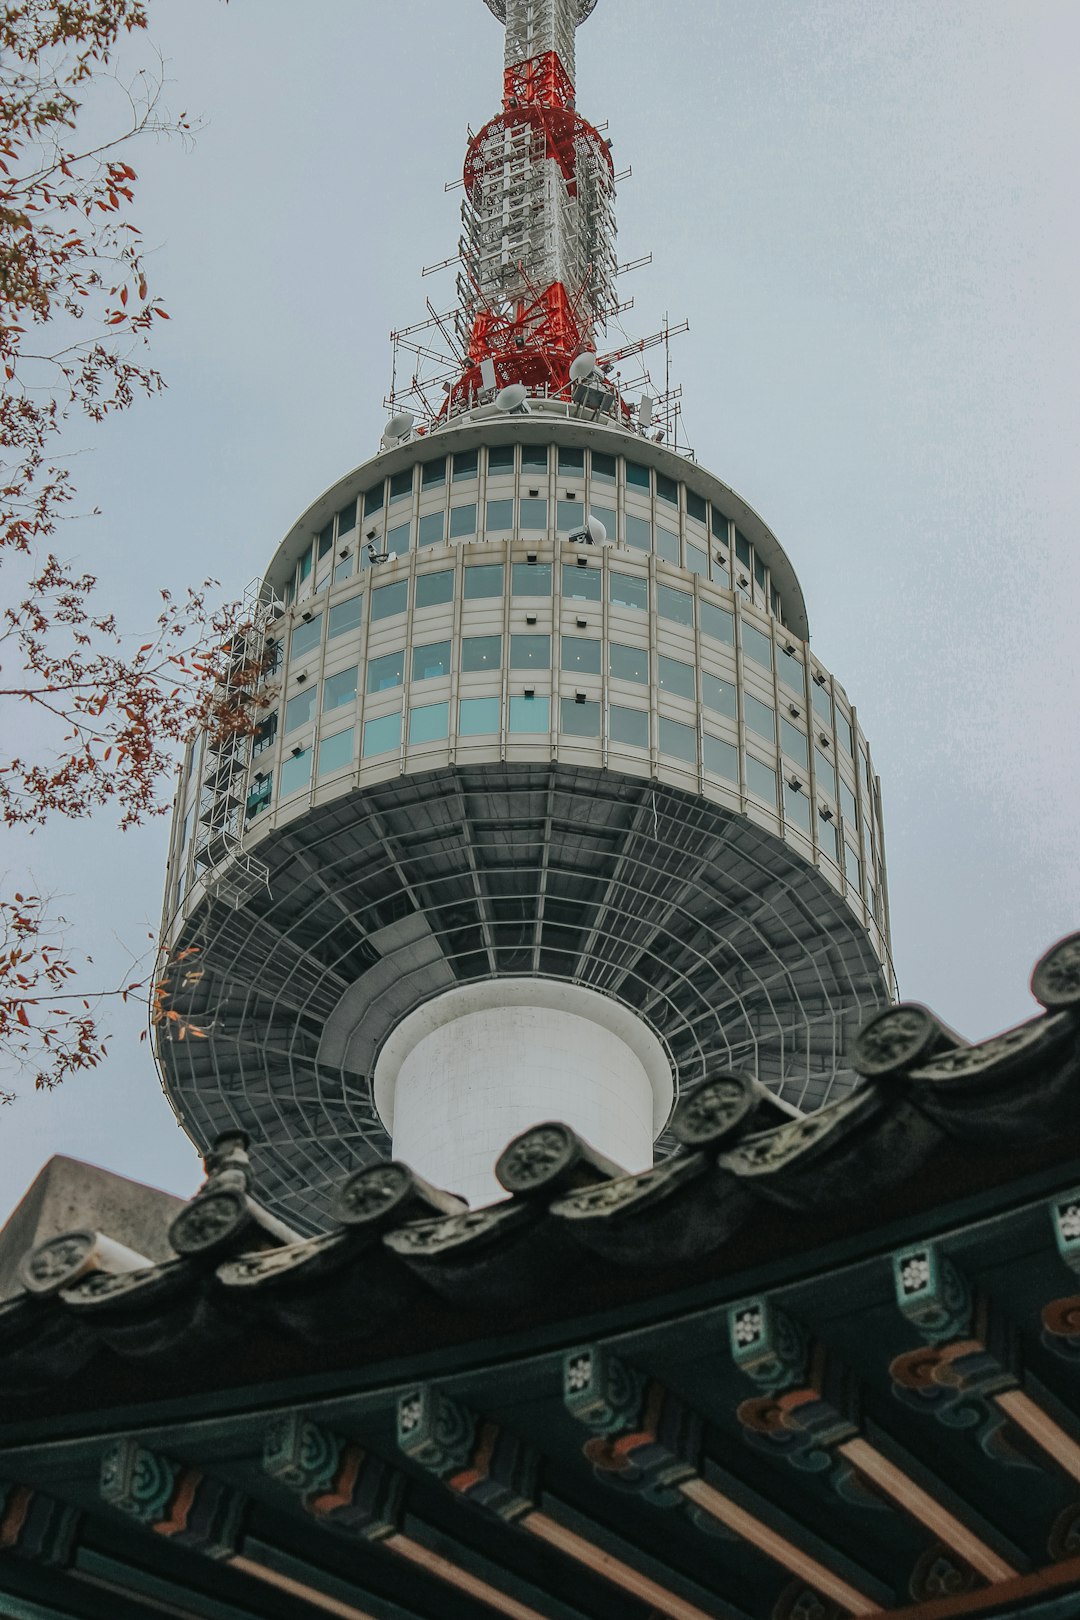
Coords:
866,212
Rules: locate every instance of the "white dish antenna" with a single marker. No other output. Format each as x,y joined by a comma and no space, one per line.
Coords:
582,367
399,427
512,400
596,530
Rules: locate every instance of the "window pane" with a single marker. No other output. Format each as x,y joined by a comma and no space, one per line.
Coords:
719,525
756,646
790,672
636,475
259,795
465,464
326,539
478,716
667,544
819,696
432,589
793,742
433,473
638,533
306,636
373,499
530,579
676,605
580,584
299,710
853,868
401,485
630,726
722,758
760,717
462,520
628,663
336,752
345,616
629,591
533,514
796,807
828,840
384,673
387,600
430,722
430,529
843,731
398,539
500,515
580,719
534,458
695,506
383,734
847,805
609,519
341,688
677,739
826,773
501,458
481,652
718,623
429,662
569,515
759,572
718,695
530,714
760,779
742,548
696,561
667,489
530,652
295,773
571,463
346,519
676,677
486,579
343,569
603,466
580,657
262,738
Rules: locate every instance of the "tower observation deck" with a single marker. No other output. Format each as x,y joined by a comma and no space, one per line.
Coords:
551,811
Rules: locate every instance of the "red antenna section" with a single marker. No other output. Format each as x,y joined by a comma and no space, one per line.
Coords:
538,249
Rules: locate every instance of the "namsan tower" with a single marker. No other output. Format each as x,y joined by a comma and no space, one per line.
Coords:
550,812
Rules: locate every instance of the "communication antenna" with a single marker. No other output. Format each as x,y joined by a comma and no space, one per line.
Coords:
398,428
583,367
512,400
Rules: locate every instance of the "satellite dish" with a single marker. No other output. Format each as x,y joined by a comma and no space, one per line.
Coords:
596,530
512,399
582,367
397,428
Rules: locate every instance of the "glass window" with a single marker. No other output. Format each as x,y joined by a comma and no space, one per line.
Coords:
501,458
433,473
434,589
569,515
628,663
852,868
382,673
262,738
760,717
530,579
791,672
695,506
343,570
465,464
760,779
827,839
478,716
326,539
872,901
500,515
387,600
299,709
742,548
341,688
383,734
718,623
373,499
530,714
847,805
295,772
305,636
401,485
719,525
759,571
533,513
580,656
638,532
534,458
431,661
826,773
305,565
675,605
398,539
571,463
430,722
667,544
678,739
756,646
793,742
676,677
259,795
579,719
530,652
346,519
580,584
630,726
796,807
485,579
637,476
609,518
718,695
336,752
844,733
462,520
722,758
481,652
603,466
667,489
819,696
345,616
430,529
696,560
629,591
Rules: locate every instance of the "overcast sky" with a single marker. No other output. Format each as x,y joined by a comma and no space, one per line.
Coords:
865,209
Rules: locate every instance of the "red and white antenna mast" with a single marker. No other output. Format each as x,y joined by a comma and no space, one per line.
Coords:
538,249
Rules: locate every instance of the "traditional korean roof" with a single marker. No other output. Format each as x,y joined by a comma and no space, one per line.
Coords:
800,1370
